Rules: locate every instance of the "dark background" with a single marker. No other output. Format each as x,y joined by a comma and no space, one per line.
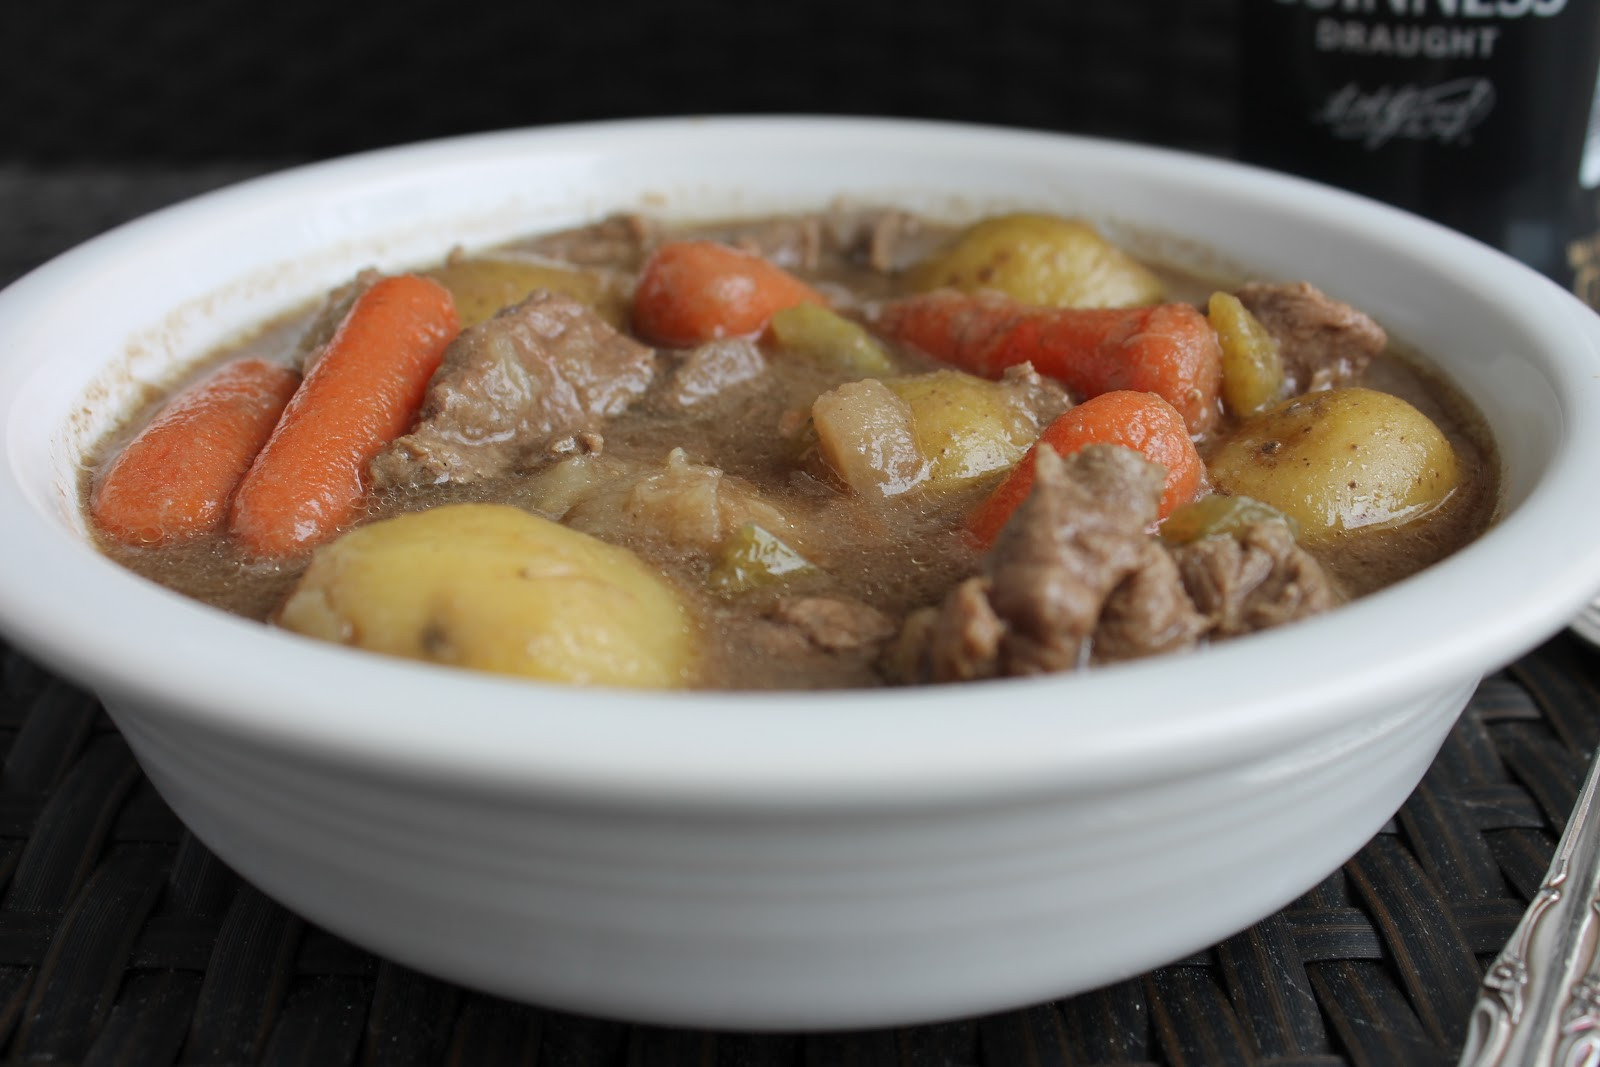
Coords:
171,82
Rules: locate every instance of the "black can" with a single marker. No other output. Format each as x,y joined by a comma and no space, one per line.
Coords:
1481,114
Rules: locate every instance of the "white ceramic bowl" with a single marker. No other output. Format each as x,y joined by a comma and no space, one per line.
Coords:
785,860
1586,624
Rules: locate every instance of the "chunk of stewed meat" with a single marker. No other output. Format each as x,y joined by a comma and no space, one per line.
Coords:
1044,397
834,624
793,641
793,242
541,371
1148,612
1255,580
620,241
886,240
1325,343
883,240
708,371
1076,552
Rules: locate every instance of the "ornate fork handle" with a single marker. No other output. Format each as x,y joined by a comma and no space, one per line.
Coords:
1540,1001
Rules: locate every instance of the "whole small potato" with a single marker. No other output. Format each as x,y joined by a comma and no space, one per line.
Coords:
1040,259
1338,461
494,588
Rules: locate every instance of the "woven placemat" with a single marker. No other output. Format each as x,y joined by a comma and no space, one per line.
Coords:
124,941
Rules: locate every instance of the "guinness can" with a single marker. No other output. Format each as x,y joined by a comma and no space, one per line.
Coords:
1482,114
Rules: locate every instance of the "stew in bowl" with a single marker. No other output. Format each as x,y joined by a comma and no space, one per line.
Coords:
843,448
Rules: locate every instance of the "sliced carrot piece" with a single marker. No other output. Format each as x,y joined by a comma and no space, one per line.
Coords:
174,480
1166,349
691,292
361,391
1143,422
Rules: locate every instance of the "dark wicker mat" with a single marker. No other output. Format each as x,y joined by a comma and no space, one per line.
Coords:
123,940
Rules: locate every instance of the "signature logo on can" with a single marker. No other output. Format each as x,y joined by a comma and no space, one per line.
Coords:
1445,113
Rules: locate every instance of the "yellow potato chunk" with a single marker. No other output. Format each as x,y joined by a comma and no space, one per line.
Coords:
1338,461
1252,364
483,285
866,436
495,588
966,427
1040,259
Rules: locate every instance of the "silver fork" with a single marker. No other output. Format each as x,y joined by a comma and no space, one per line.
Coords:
1540,1000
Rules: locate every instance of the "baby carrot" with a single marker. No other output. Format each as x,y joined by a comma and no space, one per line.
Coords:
1166,349
690,292
360,392
1143,422
173,481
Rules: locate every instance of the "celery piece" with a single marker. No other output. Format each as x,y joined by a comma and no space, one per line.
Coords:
830,339
1217,514
754,557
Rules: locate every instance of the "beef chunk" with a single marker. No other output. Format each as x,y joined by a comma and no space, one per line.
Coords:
1325,343
1258,579
619,241
964,638
832,624
1076,552
538,372
1149,612
709,370
1075,578
801,638
887,241
793,242
1045,398
884,240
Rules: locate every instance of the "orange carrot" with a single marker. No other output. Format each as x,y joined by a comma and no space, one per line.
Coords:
691,292
173,481
360,392
1166,349
1143,422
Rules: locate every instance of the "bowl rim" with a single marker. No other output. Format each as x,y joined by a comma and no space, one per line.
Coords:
1488,604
